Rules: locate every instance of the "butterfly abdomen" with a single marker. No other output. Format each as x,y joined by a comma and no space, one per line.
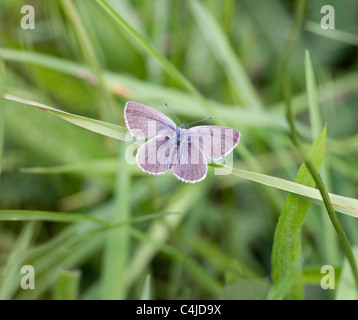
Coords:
178,136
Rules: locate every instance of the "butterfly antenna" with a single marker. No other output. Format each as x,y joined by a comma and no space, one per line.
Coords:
200,121
172,113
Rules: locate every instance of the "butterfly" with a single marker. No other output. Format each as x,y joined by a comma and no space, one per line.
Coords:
179,149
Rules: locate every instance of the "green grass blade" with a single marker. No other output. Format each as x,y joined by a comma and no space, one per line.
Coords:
225,55
30,215
346,290
287,242
67,285
335,34
313,106
107,103
2,110
101,127
146,292
167,66
101,166
346,205
10,273
328,241
116,250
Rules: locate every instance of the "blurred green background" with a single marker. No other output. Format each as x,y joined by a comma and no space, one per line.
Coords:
210,240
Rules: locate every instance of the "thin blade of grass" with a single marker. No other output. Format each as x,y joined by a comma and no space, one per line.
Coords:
30,215
313,107
99,166
107,103
98,126
167,66
334,34
146,289
225,54
346,205
10,273
346,290
67,285
116,249
328,241
2,110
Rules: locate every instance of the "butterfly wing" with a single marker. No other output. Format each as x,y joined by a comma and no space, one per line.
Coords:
155,156
190,165
144,122
215,141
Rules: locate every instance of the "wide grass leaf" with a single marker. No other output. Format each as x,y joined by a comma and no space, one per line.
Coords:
286,252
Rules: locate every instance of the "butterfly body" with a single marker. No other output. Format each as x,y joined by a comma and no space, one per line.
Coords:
180,132
176,149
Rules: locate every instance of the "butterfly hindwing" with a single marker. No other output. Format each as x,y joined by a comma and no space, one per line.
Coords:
155,156
190,165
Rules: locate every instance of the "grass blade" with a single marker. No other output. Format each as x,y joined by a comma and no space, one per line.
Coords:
117,244
108,105
225,55
313,106
10,273
346,289
338,35
146,289
29,215
328,241
2,110
98,126
346,205
286,252
168,67
67,285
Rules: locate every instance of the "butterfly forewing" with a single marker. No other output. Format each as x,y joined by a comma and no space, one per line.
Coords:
144,122
215,141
